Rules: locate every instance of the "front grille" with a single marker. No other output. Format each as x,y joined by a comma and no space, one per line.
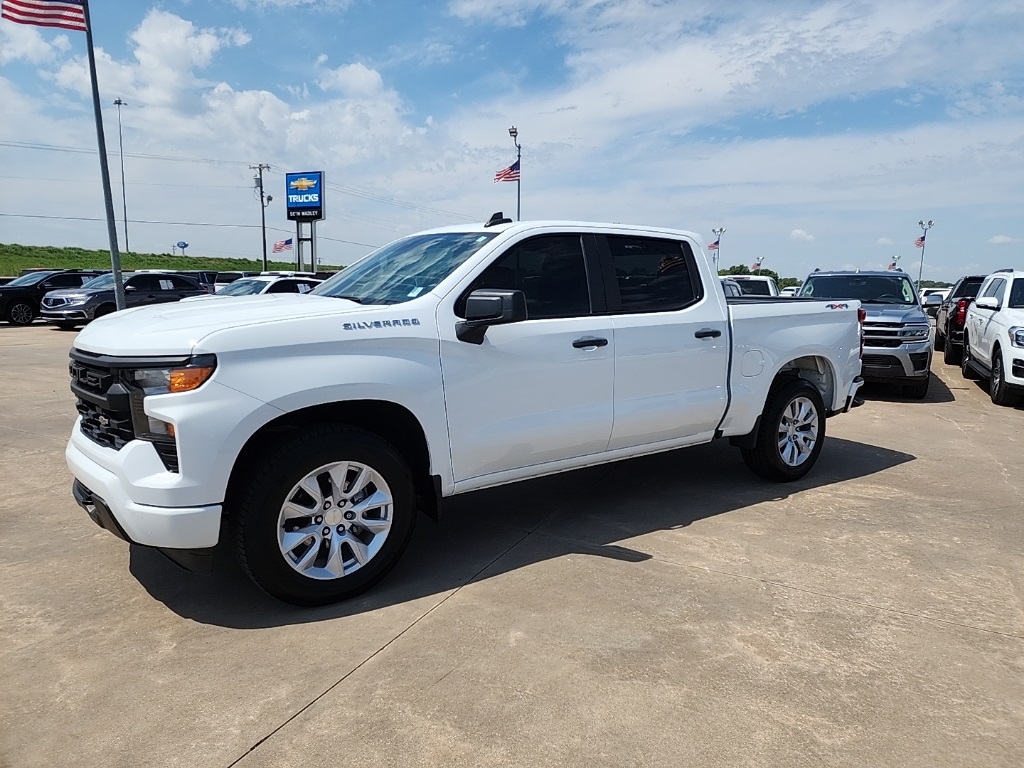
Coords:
884,343
112,429
881,361
91,378
50,301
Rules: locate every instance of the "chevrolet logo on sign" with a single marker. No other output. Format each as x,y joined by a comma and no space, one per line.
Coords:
302,184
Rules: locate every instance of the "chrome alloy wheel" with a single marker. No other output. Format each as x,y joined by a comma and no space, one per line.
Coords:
335,520
21,314
798,431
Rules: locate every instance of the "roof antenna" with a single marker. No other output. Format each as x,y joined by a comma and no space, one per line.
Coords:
497,218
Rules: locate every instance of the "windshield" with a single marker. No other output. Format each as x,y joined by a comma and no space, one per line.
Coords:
30,279
243,287
869,289
404,269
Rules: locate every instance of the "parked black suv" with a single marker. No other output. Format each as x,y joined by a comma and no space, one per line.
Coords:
951,315
72,307
20,298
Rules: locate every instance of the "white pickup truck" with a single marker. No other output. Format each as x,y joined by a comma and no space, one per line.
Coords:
310,428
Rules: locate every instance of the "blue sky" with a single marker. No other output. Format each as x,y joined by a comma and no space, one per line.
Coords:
816,133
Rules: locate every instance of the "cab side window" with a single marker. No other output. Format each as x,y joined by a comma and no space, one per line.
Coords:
654,275
549,269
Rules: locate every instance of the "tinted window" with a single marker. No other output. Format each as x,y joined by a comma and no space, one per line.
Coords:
29,279
1016,294
653,275
549,269
871,289
283,286
995,288
178,283
66,281
755,287
144,283
968,289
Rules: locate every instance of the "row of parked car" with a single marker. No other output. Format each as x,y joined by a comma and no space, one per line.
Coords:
979,326
72,297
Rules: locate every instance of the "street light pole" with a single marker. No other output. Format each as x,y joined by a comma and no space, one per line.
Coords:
718,239
120,143
925,226
514,133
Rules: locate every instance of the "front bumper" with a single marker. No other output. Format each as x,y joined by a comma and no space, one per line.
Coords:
64,315
195,527
909,362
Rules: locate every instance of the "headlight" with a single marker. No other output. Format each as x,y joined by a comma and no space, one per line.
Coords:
162,381
914,333
1017,336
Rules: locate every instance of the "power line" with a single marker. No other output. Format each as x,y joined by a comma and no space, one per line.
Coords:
176,224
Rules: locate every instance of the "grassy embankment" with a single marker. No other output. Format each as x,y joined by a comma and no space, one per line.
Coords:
14,258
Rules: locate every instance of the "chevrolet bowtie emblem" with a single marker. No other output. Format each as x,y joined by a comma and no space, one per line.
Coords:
103,420
302,184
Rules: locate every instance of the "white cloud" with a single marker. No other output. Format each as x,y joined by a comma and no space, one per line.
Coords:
885,241
801,236
352,80
1003,240
19,41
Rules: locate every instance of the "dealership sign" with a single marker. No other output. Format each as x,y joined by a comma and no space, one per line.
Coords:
304,195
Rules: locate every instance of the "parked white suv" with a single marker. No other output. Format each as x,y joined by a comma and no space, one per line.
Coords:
447,361
994,336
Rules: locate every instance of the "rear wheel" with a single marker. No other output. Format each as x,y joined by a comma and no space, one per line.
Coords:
1000,392
21,313
106,309
790,434
965,359
950,353
326,516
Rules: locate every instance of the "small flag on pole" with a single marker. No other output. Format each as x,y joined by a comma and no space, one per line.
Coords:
756,266
920,241
714,245
508,174
283,245
66,14
892,264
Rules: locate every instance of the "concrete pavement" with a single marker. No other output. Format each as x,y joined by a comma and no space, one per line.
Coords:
673,610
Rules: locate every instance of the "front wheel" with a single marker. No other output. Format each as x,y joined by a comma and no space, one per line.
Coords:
791,432
939,342
950,353
998,389
21,313
327,515
918,390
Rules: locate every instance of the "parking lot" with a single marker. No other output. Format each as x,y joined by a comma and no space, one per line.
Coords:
668,611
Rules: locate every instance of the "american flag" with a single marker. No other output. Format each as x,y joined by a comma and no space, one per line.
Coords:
892,264
508,174
66,14
714,245
283,245
757,265
920,241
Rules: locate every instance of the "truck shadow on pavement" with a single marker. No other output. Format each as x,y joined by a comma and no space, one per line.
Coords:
938,392
486,533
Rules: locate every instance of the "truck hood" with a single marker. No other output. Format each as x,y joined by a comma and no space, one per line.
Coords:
894,313
176,328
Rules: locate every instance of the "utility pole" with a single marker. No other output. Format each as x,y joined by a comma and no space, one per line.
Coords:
120,143
264,202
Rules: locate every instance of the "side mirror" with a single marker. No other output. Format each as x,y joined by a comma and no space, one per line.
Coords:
987,302
487,307
130,288
932,300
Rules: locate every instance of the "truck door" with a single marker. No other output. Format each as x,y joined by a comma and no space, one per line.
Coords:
671,342
535,391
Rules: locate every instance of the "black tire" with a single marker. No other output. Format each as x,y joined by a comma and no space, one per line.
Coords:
965,358
918,390
939,341
951,353
258,511
765,458
104,310
67,326
21,313
1000,392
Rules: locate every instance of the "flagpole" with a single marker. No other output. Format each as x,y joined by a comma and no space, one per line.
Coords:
108,199
925,226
